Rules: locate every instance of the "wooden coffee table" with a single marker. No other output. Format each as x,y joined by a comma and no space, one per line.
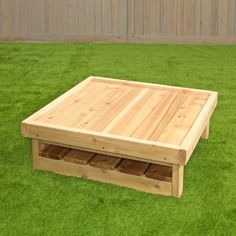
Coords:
138,135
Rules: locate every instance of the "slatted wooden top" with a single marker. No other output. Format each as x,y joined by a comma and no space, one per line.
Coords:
114,111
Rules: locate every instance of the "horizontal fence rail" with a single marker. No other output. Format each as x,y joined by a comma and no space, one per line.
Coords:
161,21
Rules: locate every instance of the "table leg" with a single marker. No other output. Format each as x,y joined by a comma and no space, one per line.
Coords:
205,133
177,180
35,152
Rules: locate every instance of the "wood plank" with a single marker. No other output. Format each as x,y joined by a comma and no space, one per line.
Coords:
90,17
146,17
46,150
180,25
130,20
183,120
71,16
189,17
205,133
133,148
106,17
163,17
58,152
167,115
68,103
155,17
177,180
223,17
122,18
159,172
140,183
149,124
100,112
81,16
192,137
115,7
113,107
78,156
138,17
146,85
116,120
23,17
171,17
232,17
105,162
133,167
35,152
214,17
153,125
197,18
98,15
127,125
205,17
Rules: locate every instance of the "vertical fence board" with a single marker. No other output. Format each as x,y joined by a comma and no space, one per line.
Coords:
205,17
197,17
180,10
171,17
163,16
155,17
106,17
98,15
23,17
223,17
115,12
146,17
36,24
130,20
123,17
81,17
214,17
71,16
90,18
189,17
232,15
138,17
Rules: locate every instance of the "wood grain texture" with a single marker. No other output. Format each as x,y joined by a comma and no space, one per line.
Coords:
78,156
133,167
140,183
141,120
159,172
162,21
105,162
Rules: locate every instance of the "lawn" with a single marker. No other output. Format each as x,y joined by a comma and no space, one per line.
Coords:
35,202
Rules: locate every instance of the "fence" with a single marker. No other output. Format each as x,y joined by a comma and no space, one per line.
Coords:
162,21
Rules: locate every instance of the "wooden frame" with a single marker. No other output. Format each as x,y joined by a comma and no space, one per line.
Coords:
176,152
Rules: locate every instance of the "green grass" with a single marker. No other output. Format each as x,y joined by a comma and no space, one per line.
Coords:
35,202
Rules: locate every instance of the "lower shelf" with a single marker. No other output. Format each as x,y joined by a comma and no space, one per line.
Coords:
138,175
132,167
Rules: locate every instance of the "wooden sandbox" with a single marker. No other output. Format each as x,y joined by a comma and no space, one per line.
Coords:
133,134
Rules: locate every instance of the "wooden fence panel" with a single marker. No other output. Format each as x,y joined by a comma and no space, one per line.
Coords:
162,21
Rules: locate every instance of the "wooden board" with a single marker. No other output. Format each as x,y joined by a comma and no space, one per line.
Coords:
54,152
159,172
78,156
147,122
105,162
93,169
133,167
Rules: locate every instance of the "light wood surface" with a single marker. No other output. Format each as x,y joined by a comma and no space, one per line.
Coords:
161,21
100,172
145,121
